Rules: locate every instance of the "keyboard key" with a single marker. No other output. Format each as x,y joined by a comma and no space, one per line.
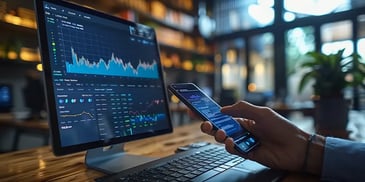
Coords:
176,174
219,169
191,175
182,179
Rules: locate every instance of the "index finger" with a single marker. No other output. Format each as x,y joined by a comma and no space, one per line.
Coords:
241,109
206,127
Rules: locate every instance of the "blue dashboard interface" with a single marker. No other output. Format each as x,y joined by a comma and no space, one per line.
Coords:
211,110
106,77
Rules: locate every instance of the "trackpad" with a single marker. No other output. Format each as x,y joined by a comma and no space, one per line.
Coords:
232,175
251,166
249,171
235,175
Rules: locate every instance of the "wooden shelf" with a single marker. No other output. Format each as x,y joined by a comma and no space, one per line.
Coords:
146,18
18,62
185,51
175,7
187,71
28,36
17,36
17,28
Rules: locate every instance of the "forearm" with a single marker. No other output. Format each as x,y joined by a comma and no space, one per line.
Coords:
315,155
343,160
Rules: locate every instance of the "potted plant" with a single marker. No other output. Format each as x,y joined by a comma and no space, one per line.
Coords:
332,73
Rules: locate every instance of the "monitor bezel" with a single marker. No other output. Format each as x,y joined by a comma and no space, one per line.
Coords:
58,149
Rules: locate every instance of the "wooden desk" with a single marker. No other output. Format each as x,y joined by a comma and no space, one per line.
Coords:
40,164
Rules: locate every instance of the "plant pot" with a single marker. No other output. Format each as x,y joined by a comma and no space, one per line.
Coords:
331,116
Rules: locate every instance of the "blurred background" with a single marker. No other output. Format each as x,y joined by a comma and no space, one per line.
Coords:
233,49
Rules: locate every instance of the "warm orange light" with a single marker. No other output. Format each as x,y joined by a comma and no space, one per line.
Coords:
13,19
174,99
39,67
176,60
252,87
12,55
29,54
231,56
187,65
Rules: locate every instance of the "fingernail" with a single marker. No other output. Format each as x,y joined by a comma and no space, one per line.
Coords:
250,122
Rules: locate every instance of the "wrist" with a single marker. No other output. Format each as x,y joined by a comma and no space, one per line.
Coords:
314,156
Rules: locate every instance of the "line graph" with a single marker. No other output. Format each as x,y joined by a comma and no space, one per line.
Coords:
114,66
77,115
104,51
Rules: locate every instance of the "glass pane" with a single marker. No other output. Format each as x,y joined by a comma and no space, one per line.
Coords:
341,30
298,42
357,3
261,63
361,36
361,21
294,9
333,47
233,67
336,36
361,47
234,15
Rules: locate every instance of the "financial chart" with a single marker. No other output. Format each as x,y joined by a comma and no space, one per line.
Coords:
106,76
87,51
113,66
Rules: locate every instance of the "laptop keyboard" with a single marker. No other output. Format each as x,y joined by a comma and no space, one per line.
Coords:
197,166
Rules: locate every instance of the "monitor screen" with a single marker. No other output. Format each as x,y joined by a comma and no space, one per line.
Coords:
6,98
103,77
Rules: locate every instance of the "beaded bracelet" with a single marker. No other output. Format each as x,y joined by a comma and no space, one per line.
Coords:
309,142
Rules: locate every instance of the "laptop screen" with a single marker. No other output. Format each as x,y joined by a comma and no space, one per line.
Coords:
103,76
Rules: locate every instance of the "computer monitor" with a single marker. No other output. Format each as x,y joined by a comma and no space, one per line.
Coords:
6,98
104,83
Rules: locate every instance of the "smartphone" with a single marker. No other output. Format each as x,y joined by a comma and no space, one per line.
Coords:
205,107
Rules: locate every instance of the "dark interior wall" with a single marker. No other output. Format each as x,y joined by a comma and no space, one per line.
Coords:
16,78
13,4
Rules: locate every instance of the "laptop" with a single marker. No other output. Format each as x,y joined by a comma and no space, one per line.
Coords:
105,86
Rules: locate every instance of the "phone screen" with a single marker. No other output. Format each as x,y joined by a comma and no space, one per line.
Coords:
208,109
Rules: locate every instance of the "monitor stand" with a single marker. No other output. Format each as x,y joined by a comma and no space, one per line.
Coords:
113,159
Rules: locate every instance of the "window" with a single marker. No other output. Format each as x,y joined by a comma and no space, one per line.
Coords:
235,15
361,36
298,42
233,66
329,33
298,9
336,36
261,63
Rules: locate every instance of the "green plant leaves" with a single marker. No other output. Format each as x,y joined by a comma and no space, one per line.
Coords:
332,73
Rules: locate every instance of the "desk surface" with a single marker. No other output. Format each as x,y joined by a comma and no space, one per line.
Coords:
40,164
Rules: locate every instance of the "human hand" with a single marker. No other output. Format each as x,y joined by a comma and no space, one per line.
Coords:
282,145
